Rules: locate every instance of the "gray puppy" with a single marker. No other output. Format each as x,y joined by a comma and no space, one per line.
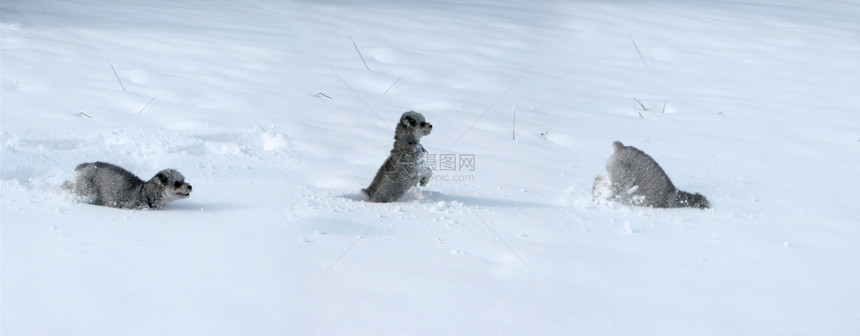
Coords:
404,167
105,184
633,177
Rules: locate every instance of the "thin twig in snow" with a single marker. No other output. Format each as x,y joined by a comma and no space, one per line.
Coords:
514,130
637,51
147,104
640,104
117,75
393,84
359,53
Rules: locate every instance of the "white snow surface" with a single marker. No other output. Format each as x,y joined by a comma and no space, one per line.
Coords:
269,111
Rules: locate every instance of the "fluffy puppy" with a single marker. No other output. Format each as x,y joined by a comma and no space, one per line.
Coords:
404,167
633,177
105,184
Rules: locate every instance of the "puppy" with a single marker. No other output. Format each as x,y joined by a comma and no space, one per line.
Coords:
105,184
404,167
633,177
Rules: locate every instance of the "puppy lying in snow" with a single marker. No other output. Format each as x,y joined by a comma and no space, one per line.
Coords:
105,184
633,177
404,167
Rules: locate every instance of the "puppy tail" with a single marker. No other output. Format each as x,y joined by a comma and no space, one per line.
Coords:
690,200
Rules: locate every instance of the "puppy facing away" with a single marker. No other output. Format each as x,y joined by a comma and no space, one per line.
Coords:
633,177
105,184
404,168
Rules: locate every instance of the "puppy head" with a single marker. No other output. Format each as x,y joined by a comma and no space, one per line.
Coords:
413,122
174,184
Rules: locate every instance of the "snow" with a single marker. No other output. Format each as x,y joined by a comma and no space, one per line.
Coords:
270,113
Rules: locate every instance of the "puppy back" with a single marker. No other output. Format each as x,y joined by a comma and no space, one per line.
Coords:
84,165
97,164
630,167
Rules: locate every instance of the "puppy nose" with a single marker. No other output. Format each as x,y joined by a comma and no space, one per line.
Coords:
429,125
189,187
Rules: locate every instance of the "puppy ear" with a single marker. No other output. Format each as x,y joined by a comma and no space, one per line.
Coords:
409,121
162,178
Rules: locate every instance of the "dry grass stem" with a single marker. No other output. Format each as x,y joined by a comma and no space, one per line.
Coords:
641,105
638,52
147,104
359,53
393,84
514,130
117,75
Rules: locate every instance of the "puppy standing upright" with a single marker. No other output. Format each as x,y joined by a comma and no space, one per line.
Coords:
404,167
633,177
105,184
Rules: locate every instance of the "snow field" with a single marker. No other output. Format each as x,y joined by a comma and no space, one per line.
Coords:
271,115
